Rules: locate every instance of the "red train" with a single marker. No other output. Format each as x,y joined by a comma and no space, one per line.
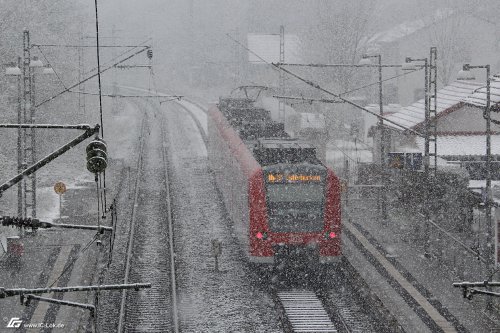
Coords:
282,200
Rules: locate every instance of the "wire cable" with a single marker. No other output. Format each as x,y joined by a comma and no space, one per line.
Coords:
74,259
317,86
466,247
144,47
376,83
90,77
98,67
100,91
48,63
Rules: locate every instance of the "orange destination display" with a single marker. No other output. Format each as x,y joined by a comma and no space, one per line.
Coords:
280,178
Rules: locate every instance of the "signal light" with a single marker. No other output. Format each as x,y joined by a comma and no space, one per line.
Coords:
97,155
150,53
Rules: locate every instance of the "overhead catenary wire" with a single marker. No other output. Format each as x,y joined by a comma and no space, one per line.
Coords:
49,64
376,83
278,69
100,111
59,77
84,46
459,242
98,66
317,86
141,45
344,153
126,96
68,89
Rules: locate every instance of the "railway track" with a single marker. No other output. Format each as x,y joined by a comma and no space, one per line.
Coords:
149,255
303,310
324,309
336,302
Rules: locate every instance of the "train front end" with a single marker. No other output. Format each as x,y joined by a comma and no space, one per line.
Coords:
295,214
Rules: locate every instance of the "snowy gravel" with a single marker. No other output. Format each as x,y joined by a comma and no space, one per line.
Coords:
231,300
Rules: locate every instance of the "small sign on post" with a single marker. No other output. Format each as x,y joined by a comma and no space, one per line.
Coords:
216,252
60,188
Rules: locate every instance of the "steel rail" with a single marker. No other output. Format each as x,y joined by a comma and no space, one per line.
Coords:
130,242
175,310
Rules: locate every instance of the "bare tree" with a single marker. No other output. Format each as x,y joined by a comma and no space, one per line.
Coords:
448,30
336,35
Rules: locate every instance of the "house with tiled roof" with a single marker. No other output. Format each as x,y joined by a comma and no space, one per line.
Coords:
461,127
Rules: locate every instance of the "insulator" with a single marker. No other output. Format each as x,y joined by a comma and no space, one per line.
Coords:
97,157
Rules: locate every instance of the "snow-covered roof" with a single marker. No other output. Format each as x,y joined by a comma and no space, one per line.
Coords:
267,46
312,121
463,145
409,27
478,98
447,97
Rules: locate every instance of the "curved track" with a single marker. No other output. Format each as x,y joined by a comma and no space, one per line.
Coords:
236,298
334,304
150,244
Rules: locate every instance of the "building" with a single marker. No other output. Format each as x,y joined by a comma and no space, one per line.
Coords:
460,37
461,127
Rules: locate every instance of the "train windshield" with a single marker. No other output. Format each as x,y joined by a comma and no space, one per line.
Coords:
295,207
295,193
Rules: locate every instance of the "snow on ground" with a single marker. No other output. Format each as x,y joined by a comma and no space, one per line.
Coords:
197,112
227,301
47,204
122,131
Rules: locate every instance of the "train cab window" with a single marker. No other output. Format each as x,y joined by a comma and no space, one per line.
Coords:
295,192
295,207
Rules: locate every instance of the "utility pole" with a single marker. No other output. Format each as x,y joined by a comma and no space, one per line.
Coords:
383,165
465,74
427,191
282,115
430,134
433,104
28,137
20,132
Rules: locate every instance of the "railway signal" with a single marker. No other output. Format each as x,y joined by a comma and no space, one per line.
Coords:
97,155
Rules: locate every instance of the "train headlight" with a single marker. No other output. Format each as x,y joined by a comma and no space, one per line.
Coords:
330,235
261,235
